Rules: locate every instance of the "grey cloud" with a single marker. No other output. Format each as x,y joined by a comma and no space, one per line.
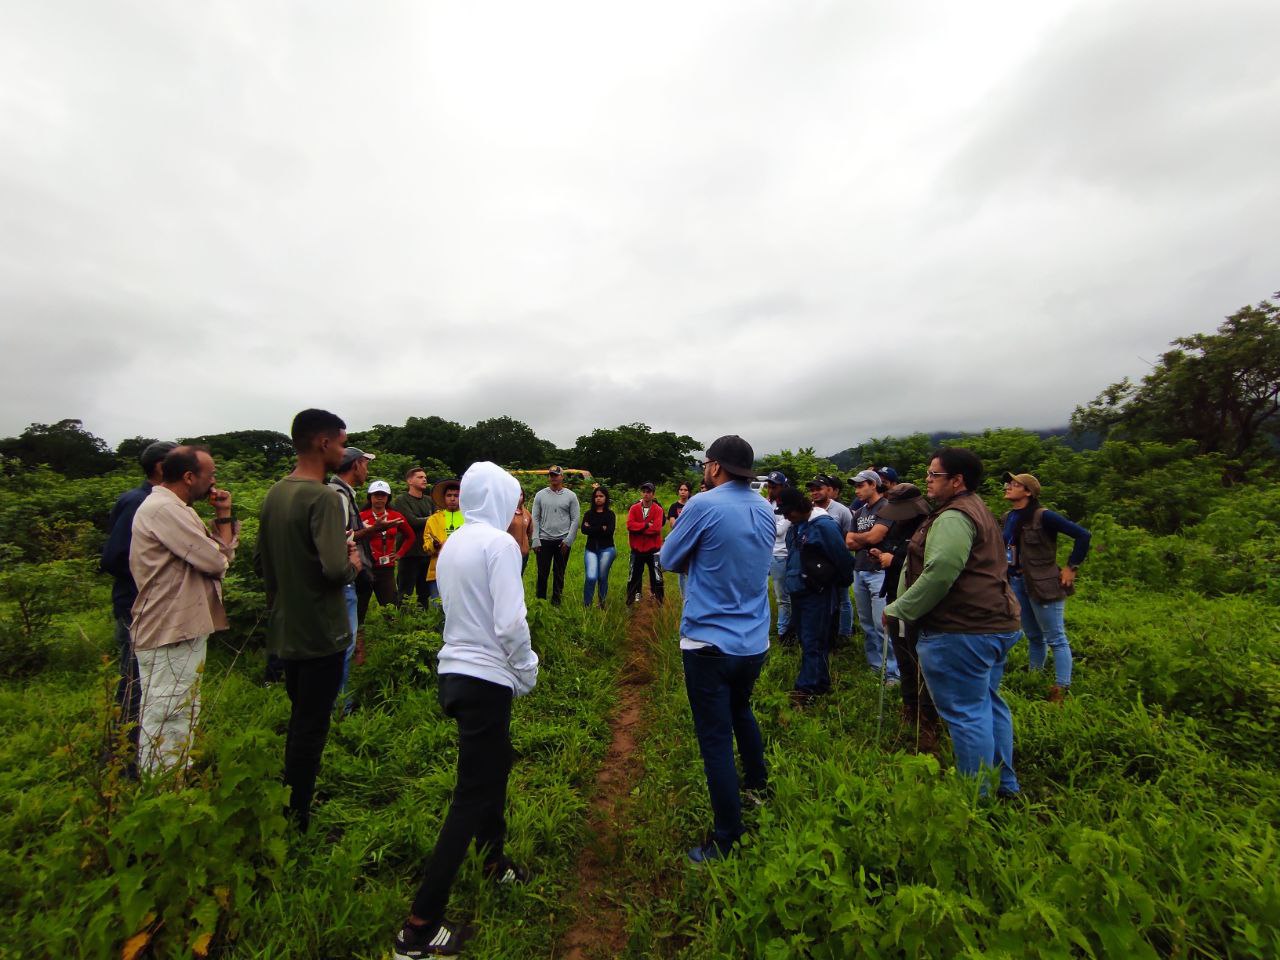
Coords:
808,224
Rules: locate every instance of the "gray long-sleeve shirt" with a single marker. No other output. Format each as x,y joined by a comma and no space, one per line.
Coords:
555,515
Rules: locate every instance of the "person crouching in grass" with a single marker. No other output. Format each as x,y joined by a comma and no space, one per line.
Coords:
486,660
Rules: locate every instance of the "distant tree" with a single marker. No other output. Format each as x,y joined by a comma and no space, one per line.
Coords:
1221,390
130,450
633,453
421,438
64,446
271,445
505,441
800,467
908,455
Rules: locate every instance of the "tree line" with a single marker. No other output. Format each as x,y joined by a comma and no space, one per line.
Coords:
631,453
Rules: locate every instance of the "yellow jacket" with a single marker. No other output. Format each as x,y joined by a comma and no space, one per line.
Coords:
439,525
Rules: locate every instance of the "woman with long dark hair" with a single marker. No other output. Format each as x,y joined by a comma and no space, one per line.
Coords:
598,523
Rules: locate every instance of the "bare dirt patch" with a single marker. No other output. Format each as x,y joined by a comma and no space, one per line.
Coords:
599,928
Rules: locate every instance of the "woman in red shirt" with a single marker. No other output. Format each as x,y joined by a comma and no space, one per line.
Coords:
387,547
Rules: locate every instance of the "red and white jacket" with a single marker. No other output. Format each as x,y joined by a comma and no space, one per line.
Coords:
393,543
645,532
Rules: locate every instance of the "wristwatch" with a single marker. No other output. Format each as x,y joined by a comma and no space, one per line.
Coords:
222,521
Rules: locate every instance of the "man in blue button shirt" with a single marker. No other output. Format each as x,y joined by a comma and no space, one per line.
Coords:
724,542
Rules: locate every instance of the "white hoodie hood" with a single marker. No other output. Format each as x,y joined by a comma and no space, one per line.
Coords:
486,633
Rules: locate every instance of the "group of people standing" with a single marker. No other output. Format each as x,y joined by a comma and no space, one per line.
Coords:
941,594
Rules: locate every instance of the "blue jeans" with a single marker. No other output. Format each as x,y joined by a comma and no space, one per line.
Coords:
777,574
845,626
867,585
813,612
719,687
597,563
349,592
1044,627
963,671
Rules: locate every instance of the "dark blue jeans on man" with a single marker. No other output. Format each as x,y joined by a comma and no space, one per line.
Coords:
129,686
719,687
811,619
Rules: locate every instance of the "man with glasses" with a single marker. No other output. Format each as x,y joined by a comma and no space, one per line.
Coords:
724,542
955,589
869,530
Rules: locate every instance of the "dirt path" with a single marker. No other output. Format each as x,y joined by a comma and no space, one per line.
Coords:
599,929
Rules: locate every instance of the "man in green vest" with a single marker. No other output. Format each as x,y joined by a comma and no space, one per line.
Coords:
955,590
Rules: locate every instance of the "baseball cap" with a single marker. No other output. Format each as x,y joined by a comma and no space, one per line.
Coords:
1026,479
380,486
555,471
866,476
648,485
777,477
889,474
816,482
734,455
350,455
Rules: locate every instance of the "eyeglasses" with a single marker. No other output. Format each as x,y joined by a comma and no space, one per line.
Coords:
707,463
934,474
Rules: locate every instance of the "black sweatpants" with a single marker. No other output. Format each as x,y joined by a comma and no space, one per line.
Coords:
382,584
482,711
915,694
411,575
550,555
640,559
312,686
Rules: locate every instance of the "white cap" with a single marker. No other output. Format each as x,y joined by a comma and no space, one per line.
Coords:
380,486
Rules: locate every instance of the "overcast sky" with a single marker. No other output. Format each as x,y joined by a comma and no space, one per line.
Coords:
808,223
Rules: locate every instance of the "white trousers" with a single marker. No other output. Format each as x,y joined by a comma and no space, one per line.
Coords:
170,678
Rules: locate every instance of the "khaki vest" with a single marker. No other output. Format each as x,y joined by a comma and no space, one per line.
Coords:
980,601
1038,558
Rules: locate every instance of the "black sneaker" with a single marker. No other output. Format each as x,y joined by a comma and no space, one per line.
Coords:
504,870
444,939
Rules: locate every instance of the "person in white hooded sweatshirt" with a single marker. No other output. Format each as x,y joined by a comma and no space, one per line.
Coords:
485,662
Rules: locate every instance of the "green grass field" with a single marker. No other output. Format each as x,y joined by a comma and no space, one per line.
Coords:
1148,827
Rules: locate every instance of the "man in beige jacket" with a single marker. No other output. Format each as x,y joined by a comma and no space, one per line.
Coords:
178,566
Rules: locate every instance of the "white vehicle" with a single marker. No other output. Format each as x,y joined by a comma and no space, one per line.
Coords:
759,483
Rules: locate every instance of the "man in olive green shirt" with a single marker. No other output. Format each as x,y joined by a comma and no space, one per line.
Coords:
955,590
417,507
305,558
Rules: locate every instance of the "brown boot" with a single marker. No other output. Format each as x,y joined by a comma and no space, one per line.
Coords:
1056,693
359,655
929,735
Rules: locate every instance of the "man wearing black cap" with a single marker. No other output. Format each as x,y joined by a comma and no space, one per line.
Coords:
724,542
351,474
115,561
823,493
644,534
